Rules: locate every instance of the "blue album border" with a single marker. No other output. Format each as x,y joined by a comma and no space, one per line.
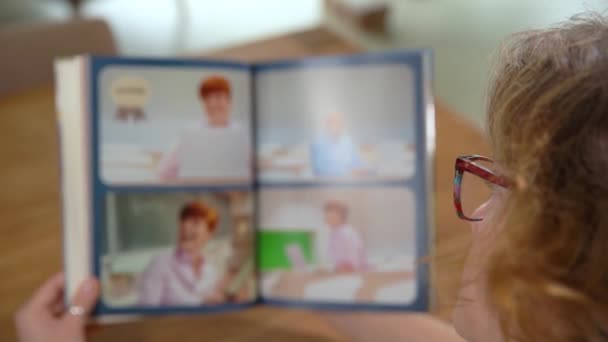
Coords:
100,189
412,58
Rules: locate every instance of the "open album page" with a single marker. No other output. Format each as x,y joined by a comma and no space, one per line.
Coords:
342,197
173,186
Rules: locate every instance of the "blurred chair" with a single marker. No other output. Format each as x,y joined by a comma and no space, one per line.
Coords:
28,51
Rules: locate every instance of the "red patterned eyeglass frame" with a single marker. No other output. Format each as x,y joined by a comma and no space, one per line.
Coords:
467,164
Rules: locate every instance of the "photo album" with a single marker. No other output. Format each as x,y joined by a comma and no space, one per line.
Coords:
193,185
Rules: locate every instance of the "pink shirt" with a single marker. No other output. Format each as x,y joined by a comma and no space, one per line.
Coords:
346,248
170,280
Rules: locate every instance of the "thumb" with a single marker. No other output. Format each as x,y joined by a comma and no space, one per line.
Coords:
83,302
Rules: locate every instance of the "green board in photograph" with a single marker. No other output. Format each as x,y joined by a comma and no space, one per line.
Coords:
272,245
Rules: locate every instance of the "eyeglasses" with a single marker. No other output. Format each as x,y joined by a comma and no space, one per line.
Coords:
474,183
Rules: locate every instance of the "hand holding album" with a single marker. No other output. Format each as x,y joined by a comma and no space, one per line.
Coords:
335,213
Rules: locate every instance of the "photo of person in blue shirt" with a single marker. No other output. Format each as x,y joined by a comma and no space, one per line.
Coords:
334,153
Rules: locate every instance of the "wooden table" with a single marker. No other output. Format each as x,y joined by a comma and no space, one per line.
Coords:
30,243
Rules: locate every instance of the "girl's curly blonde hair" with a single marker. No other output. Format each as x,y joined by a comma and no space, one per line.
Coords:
548,125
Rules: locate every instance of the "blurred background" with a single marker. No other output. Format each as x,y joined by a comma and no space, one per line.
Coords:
463,33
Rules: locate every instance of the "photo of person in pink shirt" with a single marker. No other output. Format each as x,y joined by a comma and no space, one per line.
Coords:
346,250
182,276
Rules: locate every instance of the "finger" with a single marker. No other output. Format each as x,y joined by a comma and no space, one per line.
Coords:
85,299
49,292
57,308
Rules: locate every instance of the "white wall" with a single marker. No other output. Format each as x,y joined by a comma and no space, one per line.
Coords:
464,34
377,101
178,26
